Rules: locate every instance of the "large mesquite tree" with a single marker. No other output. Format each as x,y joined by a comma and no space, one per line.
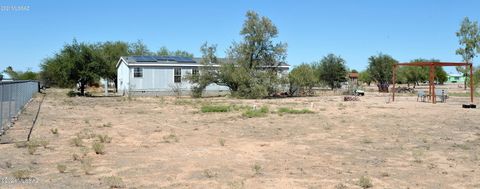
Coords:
380,69
252,70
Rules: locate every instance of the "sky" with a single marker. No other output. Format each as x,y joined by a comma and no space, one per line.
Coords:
352,29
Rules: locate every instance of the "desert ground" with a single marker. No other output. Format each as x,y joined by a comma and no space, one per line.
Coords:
168,142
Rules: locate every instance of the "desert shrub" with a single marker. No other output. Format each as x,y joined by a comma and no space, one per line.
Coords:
54,131
21,174
104,138
32,146
294,111
32,149
365,182
86,134
257,168
86,164
107,124
44,143
21,144
77,141
185,102
98,147
61,168
221,141
209,173
340,186
256,112
84,151
170,138
114,182
71,94
76,157
215,108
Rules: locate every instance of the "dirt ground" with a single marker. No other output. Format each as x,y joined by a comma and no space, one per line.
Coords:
167,142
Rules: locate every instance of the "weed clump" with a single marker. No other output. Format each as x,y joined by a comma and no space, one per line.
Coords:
87,165
114,182
293,111
78,142
54,131
215,108
21,174
221,141
61,168
257,169
104,138
171,138
256,112
98,147
365,182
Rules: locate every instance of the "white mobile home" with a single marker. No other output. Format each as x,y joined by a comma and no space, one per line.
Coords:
161,75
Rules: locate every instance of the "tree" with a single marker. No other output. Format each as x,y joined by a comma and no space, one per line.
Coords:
165,52
55,72
252,70
111,52
302,79
380,69
332,71
364,76
139,49
19,75
206,74
76,63
469,39
476,78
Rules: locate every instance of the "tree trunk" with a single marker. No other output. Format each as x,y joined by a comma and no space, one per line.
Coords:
82,89
382,87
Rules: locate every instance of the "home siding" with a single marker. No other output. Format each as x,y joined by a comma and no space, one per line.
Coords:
123,78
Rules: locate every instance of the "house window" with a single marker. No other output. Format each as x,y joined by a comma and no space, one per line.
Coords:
177,75
137,72
194,71
457,78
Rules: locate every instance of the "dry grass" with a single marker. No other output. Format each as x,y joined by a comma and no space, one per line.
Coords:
169,143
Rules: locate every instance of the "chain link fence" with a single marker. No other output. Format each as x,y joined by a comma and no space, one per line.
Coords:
14,95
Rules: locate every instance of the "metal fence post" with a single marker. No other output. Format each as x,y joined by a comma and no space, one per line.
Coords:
10,99
1,107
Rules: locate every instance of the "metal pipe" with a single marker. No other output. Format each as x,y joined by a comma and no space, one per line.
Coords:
471,83
394,78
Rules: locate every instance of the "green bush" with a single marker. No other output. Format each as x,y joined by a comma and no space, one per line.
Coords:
215,108
71,94
114,182
256,112
98,147
365,182
104,138
294,111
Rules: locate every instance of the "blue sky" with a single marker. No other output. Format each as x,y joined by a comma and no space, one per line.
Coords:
353,29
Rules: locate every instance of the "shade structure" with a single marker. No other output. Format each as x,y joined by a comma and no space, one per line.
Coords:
431,84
